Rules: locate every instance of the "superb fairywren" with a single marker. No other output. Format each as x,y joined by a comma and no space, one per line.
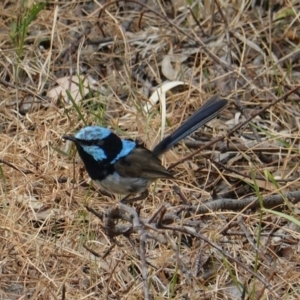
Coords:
122,166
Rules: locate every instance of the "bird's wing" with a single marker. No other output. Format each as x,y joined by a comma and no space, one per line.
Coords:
141,163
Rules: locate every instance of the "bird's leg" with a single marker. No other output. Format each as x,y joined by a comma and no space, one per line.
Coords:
128,200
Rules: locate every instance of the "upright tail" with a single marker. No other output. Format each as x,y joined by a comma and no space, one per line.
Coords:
204,114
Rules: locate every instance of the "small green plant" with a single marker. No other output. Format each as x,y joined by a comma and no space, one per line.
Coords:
173,282
2,175
76,107
19,27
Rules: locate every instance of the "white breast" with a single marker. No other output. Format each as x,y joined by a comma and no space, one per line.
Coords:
124,185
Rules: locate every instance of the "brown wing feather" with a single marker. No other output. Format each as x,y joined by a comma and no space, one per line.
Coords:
141,163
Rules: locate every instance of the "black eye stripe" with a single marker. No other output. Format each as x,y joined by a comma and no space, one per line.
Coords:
91,142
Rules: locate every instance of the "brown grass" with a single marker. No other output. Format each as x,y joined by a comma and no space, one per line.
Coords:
51,247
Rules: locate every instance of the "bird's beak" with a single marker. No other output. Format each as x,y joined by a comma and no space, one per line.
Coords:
70,138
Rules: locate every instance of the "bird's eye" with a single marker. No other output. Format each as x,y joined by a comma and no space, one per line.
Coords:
99,143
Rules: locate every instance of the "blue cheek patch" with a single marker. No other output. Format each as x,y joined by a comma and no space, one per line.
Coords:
96,152
127,147
92,133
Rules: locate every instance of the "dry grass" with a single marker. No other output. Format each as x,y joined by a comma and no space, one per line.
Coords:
250,56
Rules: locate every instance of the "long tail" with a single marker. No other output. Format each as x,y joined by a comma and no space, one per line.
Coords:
204,114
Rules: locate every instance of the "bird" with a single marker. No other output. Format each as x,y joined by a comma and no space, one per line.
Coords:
125,167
